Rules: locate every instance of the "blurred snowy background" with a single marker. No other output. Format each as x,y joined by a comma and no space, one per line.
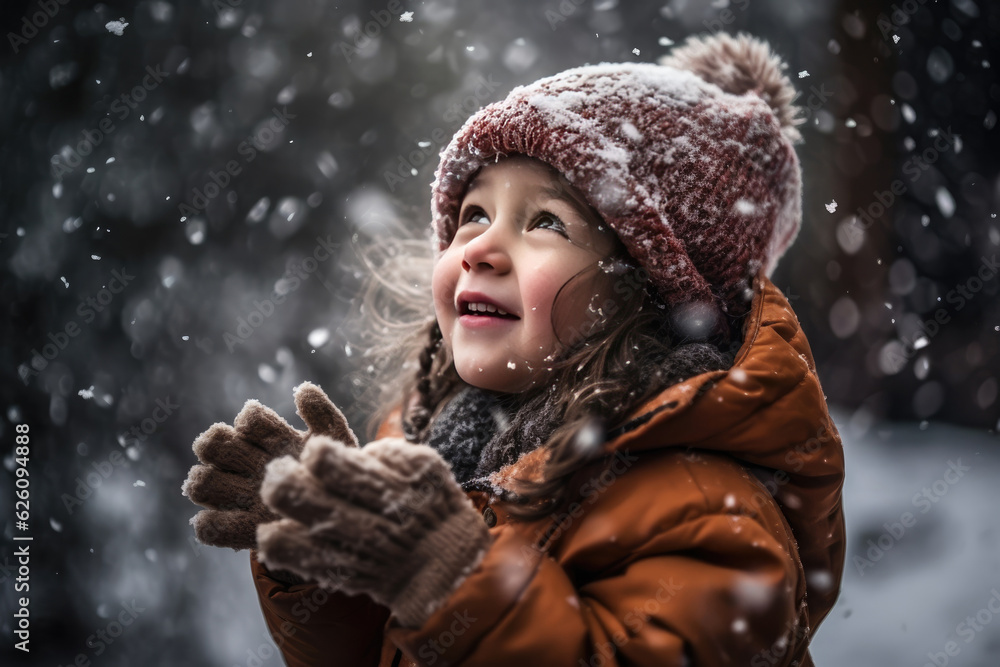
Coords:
166,166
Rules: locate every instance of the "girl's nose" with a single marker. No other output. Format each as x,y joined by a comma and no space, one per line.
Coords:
489,251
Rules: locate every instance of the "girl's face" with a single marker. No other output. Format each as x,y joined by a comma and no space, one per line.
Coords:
523,233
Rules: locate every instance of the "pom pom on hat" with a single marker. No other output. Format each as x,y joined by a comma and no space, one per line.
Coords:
739,65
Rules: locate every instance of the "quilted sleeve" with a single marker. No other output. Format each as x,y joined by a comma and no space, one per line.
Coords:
716,589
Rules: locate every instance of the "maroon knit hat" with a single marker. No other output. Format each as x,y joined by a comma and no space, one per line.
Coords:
690,161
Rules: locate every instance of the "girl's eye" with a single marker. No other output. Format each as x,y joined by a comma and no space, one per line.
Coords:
549,221
473,213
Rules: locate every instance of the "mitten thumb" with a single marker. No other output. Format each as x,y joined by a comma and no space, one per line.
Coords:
321,415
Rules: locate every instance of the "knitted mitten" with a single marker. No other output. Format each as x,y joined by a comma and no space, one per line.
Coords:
233,458
388,520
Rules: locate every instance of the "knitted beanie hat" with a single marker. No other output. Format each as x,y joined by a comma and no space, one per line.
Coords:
690,161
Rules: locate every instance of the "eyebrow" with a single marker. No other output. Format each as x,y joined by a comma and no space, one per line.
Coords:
555,191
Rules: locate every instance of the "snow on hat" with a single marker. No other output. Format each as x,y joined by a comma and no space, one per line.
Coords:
690,161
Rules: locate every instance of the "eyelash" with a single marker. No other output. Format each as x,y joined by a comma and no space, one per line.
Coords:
560,229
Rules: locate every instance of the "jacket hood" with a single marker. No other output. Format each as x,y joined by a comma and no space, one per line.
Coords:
769,412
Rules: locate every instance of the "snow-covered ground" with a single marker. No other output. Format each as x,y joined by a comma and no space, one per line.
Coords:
932,575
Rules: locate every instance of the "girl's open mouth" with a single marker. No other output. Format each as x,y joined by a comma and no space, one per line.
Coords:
478,315
484,309
478,308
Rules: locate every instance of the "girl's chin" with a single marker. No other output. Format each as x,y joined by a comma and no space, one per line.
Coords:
497,385
503,380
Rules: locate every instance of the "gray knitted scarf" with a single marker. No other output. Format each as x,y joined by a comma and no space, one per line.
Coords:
467,429
472,431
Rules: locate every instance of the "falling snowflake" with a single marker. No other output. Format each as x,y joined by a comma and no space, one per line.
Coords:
319,337
117,27
832,206
895,39
945,202
803,74
406,17
635,51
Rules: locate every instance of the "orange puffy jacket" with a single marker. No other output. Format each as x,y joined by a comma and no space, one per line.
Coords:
711,534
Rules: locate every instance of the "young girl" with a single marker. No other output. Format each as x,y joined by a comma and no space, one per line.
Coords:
611,446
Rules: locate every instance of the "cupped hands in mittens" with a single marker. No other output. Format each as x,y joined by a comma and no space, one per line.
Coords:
388,520
233,459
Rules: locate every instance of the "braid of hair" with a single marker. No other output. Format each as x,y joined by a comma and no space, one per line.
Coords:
417,417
